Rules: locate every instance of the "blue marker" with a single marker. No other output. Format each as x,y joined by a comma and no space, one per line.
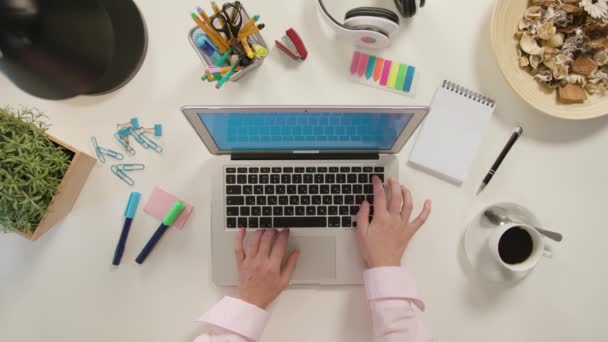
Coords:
129,214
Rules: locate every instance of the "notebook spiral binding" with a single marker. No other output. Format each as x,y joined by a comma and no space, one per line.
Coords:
460,90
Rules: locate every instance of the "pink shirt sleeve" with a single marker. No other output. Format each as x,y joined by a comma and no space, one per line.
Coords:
395,305
393,298
233,320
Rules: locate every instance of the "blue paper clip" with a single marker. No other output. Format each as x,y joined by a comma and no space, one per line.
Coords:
124,132
157,130
125,144
111,153
99,154
133,123
153,145
122,175
130,167
139,139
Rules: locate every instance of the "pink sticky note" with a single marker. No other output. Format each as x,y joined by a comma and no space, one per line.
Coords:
159,204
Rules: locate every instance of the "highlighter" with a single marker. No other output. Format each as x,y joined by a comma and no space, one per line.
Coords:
171,216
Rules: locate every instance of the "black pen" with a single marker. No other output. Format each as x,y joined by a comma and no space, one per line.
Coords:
518,132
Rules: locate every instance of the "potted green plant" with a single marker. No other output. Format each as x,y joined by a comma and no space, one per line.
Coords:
40,176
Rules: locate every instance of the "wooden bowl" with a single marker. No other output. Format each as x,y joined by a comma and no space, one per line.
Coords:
505,20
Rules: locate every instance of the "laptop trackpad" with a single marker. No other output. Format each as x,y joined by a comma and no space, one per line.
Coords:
317,260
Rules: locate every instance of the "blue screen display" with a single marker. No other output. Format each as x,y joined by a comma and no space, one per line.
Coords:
305,131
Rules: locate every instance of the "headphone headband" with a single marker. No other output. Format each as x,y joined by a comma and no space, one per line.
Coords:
371,27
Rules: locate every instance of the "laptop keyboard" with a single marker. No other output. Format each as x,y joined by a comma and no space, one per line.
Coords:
297,197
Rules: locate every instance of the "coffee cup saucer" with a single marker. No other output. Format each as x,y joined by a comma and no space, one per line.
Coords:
476,248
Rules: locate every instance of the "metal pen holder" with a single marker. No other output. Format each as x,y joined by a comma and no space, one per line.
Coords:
256,38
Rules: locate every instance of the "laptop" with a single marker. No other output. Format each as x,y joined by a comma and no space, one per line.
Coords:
299,167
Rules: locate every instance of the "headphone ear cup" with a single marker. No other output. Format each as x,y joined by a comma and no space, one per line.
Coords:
372,12
408,8
413,7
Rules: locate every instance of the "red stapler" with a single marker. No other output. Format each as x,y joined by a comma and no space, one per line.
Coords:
292,45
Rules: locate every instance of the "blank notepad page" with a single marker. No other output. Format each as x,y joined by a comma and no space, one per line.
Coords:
451,134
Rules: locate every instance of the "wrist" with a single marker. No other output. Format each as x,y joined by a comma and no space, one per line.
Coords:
260,304
383,263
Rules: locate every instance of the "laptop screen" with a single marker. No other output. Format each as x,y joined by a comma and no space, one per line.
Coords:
305,131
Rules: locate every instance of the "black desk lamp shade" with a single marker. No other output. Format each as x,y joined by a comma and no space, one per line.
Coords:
57,49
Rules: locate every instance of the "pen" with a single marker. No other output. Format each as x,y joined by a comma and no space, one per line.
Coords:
516,134
224,57
227,75
171,216
129,214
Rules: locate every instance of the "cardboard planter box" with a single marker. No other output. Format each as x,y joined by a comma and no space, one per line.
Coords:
72,183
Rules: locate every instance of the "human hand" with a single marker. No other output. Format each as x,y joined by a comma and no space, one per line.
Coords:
383,241
261,277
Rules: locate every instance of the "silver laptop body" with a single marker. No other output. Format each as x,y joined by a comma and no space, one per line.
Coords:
323,154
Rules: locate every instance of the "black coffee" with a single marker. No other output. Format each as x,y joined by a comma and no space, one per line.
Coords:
515,246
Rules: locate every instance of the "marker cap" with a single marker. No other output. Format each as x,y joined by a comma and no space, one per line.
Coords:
173,214
132,205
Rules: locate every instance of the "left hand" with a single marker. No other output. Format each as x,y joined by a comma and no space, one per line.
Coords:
261,277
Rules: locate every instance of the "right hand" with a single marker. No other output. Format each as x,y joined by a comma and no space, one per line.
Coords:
382,241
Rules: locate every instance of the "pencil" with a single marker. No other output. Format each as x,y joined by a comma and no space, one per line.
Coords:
250,22
247,48
210,25
209,33
253,30
215,7
214,69
204,15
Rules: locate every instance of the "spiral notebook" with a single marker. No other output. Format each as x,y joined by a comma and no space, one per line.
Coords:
452,132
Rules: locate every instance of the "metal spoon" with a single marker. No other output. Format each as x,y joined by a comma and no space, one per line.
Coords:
499,216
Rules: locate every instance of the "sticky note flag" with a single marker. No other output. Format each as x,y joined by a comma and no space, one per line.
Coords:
383,73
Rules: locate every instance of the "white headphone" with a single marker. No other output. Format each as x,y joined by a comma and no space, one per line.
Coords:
371,27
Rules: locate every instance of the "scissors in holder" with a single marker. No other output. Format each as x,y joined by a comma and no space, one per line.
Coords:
228,21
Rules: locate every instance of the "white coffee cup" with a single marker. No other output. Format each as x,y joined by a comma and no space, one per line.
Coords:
539,247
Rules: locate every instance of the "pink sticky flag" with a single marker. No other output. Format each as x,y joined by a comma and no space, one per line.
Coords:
355,62
159,204
362,64
385,72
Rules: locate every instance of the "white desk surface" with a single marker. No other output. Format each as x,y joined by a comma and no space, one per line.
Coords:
63,288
